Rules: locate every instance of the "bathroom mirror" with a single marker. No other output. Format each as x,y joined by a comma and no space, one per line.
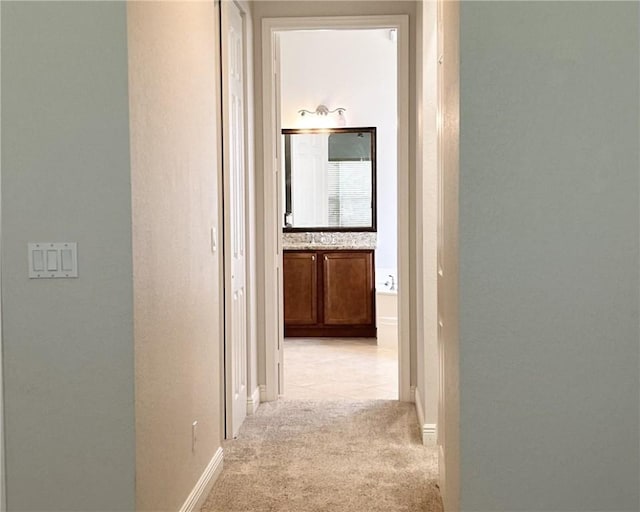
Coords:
330,179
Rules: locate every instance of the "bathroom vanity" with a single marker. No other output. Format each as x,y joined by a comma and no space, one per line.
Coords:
329,293
329,232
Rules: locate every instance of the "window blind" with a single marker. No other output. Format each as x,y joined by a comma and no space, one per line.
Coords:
349,193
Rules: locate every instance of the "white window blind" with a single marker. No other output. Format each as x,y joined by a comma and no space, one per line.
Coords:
350,193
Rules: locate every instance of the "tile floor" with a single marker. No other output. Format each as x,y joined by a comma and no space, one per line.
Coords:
339,369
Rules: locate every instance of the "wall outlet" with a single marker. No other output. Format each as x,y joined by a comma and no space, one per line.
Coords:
194,435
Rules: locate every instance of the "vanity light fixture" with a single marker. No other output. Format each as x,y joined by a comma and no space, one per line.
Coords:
323,110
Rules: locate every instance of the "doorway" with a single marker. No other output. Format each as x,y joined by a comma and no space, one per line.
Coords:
340,224
273,200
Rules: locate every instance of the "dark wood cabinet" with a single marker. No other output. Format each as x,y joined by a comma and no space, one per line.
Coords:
348,288
329,293
300,288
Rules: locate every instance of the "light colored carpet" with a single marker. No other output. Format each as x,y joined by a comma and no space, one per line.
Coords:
328,456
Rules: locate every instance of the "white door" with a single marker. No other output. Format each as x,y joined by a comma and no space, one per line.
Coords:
234,134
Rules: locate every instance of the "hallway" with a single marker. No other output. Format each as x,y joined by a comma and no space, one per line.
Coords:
331,456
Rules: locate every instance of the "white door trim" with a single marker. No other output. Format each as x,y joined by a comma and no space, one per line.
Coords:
272,292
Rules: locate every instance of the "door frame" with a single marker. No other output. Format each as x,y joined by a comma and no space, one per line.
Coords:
272,261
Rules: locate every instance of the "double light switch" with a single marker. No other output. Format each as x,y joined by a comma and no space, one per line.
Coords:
53,260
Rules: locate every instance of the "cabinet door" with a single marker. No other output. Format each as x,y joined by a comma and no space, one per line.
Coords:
300,288
348,288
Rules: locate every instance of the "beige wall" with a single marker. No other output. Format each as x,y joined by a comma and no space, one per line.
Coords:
311,8
68,343
173,79
449,105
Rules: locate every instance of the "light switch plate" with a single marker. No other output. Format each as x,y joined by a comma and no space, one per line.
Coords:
53,260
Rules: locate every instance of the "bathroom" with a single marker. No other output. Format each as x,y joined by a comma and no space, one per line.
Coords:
340,80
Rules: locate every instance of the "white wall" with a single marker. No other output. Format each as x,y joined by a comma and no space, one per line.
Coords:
173,78
355,69
549,251
68,344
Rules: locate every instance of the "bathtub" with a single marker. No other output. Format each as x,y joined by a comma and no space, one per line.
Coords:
387,317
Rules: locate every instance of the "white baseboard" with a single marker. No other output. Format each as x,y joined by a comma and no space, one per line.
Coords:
263,392
412,394
428,430
253,402
429,434
387,320
199,494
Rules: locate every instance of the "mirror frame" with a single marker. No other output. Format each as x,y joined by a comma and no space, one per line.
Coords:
374,164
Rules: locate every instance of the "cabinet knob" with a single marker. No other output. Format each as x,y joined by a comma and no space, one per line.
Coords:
313,257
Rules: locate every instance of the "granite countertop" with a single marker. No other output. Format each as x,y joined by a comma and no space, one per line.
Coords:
329,240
